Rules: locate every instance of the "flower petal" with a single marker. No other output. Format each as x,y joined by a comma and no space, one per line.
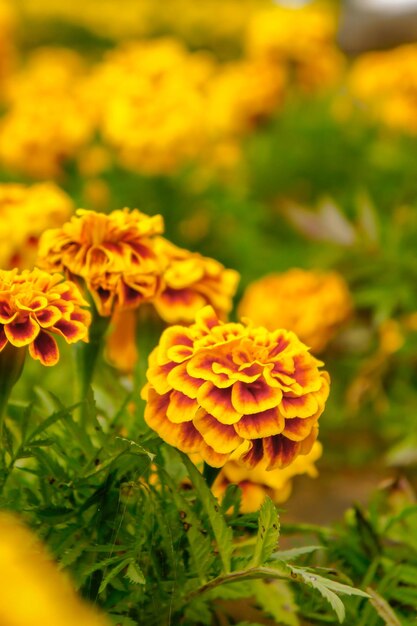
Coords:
22,333
280,451
44,348
263,424
218,403
3,338
254,397
304,406
220,437
181,408
298,429
71,331
180,380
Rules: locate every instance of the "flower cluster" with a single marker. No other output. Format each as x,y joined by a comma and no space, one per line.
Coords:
258,483
47,120
219,389
22,222
302,39
150,104
34,306
113,254
32,590
312,304
385,83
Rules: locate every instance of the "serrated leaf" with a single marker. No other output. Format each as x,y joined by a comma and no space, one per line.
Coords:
328,588
222,533
112,574
268,533
135,574
275,599
200,544
383,609
293,553
71,555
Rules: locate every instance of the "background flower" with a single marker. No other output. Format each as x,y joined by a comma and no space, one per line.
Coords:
312,304
221,389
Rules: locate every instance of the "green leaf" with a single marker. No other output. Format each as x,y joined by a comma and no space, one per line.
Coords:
276,599
112,574
268,533
135,574
293,553
328,589
383,609
222,533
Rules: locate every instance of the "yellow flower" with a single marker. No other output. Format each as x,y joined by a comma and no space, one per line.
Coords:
35,305
113,254
301,38
150,104
242,94
25,213
258,483
219,389
191,281
386,84
312,304
47,120
33,592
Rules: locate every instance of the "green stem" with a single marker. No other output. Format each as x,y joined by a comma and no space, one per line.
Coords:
210,474
12,360
87,355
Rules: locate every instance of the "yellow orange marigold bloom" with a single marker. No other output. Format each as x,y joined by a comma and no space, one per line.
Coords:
219,389
150,104
304,39
33,592
113,254
34,306
258,483
48,119
191,281
25,213
385,85
312,304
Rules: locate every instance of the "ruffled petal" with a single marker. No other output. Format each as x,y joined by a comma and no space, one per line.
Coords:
44,348
263,424
220,437
22,333
254,397
218,402
181,408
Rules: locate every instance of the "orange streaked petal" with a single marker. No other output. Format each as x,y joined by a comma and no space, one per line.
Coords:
209,456
252,457
181,408
158,377
304,406
180,380
203,366
263,424
7,314
22,333
254,397
48,317
44,349
218,403
180,340
297,429
3,338
71,331
220,437
280,451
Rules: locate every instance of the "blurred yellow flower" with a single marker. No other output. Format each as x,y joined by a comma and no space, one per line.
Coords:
47,119
310,303
303,39
150,104
25,213
35,305
385,85
33,592
219,389
258,483
113,254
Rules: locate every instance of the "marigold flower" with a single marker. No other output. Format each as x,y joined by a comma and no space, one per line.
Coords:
385,83
25,213
33,591
258,483
191,281
223,388
35,305
113,254
301,38
312,304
